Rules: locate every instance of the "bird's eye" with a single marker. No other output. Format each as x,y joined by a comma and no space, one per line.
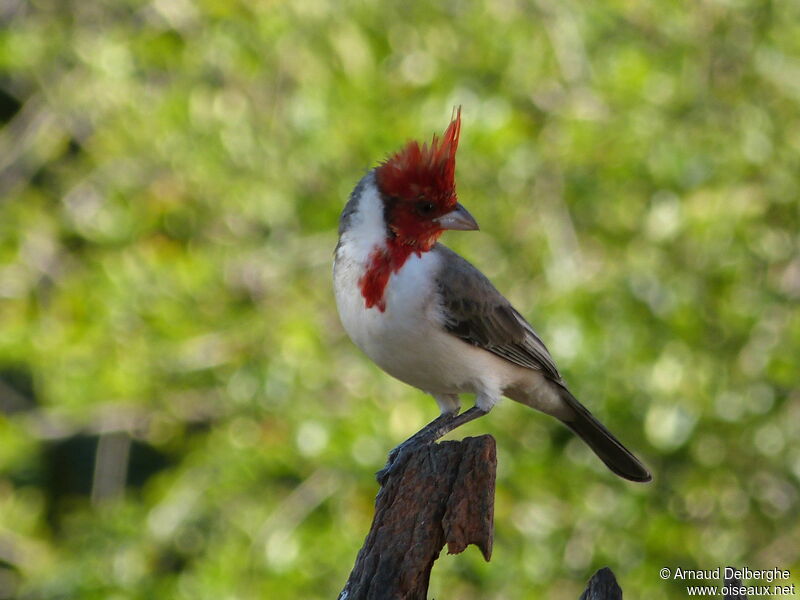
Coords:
425,208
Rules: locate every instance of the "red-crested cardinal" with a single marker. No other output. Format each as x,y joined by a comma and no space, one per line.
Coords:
429,318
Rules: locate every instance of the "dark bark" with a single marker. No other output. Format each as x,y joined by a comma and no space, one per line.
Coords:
732,584
602,586
440,494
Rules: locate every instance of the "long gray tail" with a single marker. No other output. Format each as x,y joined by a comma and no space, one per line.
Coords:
608,448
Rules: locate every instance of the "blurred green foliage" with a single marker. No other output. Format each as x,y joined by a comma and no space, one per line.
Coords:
182,415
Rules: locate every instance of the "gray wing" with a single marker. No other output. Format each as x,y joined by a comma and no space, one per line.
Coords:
478,314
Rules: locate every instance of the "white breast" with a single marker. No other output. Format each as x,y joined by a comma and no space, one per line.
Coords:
396,337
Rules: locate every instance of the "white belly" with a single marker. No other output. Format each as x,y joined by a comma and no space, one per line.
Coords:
404,340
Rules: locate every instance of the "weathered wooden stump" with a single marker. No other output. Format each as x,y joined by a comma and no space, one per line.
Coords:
441,494
602,586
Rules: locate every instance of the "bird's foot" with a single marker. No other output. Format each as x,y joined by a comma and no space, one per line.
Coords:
424,437
398,457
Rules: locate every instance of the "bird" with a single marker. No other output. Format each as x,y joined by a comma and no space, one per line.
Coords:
428,317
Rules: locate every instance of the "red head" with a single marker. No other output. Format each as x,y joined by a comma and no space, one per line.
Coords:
419,191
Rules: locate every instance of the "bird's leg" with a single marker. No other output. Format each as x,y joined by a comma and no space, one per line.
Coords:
439,427
449,405
438,430
426,435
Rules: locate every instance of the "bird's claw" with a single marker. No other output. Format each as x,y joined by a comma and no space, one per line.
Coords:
396,459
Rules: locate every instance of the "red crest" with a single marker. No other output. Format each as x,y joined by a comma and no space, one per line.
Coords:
424,170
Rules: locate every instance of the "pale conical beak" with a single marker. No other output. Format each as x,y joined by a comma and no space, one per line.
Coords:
458,219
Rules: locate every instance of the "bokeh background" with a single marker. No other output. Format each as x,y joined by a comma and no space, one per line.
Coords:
182,415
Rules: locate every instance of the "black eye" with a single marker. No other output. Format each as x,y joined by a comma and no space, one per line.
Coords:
425,208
